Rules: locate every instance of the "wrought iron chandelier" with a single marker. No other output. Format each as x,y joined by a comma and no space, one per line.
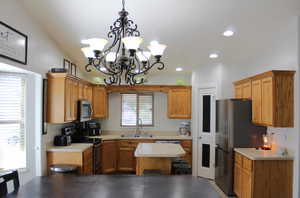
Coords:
123,59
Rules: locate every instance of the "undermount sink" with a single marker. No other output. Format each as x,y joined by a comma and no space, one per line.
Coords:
136,136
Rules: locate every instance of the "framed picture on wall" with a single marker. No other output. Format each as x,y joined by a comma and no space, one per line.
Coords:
74,69
67,65
13,44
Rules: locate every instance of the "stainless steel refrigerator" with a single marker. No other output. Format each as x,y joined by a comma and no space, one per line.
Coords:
234,129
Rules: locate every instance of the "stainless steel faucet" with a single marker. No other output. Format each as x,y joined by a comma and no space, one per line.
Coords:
139,126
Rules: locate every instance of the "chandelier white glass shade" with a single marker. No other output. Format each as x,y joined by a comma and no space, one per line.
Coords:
123,59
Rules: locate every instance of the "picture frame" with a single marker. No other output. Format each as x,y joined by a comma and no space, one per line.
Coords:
67,65
73,69
13,44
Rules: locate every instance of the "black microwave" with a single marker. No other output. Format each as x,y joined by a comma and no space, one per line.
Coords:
84,110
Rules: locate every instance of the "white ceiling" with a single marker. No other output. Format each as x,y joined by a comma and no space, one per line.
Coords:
191,28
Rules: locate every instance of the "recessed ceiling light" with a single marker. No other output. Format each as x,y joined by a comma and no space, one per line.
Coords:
213,55
179,69
228,33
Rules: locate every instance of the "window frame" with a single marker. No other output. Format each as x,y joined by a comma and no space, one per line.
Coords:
137,113
23,122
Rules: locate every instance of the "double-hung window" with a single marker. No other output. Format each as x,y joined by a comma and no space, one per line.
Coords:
137,109
12,122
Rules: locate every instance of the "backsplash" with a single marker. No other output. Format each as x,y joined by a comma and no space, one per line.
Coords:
283,138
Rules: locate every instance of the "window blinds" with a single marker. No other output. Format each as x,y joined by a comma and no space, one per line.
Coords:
12,130
137,108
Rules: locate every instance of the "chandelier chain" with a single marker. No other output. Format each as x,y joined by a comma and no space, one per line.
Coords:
123,3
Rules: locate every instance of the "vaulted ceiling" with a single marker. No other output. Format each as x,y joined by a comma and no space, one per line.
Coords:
192,29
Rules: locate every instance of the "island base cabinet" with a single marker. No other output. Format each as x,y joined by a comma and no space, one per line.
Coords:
262,178
153,163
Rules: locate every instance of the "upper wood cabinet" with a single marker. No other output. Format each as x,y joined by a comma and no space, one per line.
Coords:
179,103
62,97
256,101
272,98
243,89
100,102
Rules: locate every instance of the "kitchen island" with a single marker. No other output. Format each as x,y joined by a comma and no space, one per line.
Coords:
156,156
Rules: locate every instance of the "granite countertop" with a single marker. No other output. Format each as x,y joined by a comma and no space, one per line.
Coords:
254,154
159,150
154,137
75,147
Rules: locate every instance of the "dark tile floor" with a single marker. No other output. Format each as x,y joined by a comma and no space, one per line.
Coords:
114,186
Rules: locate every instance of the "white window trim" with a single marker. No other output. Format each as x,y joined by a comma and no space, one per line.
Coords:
137,117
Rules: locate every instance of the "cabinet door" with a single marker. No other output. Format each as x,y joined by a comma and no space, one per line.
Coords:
80,91
126,159
238,91
267,101
246,90
88,93
179,103
109,156
68,100
74,99
246,190
99,102
256,101
88,161
237,188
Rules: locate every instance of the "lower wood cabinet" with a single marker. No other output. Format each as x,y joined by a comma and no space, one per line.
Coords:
109,156
118,155
187,146
82,159
262,178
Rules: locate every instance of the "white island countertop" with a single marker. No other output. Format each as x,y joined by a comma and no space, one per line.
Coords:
159,150
254,154
75,147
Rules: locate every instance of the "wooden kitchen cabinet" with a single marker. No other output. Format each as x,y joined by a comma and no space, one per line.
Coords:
188,148
100,102
88,93
109,156
126,158
179,103
243,89
62,97
82,159
272,95
256,101
262,178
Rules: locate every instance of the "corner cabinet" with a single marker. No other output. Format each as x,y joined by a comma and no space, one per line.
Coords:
262,178
62,97
272,95
100,102
179,103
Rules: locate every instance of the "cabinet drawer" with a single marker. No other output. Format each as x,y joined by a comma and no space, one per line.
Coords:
238,158
247,164
186,143
127,143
